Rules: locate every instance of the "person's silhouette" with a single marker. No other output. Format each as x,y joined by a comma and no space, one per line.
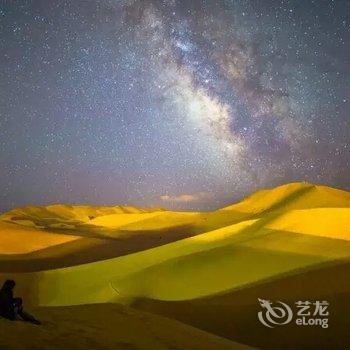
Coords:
12,308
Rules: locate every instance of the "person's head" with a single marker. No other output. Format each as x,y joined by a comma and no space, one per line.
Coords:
9,284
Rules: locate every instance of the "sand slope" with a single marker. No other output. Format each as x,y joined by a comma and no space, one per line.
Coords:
164,261
287,237
106,326
234,314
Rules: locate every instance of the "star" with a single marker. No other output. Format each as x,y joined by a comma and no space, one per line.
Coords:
184,103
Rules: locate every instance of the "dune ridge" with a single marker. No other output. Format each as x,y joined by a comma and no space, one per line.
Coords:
160,260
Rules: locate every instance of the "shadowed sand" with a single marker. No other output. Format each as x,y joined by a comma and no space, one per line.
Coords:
234,314
203,269
106,326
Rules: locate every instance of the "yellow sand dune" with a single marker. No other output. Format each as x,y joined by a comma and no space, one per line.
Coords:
203,265
145,221
293,196
44,216
118,220
233,315
282,234
16,239
195,267
325,222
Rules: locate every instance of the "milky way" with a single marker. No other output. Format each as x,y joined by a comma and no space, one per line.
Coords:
182,104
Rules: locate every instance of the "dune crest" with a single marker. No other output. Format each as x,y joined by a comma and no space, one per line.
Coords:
165,261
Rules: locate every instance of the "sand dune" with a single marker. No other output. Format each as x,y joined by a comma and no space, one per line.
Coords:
285,239
107,326
233,315
75,255
293,196
12,238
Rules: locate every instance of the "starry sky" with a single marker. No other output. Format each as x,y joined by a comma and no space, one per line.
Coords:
180,104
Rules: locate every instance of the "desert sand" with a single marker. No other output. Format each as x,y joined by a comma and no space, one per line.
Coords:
107,326
206,270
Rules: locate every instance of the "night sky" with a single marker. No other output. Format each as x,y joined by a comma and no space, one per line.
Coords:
179,104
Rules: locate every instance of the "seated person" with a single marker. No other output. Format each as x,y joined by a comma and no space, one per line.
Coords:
12,308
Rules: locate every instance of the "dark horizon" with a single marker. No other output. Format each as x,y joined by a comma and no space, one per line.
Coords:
182,105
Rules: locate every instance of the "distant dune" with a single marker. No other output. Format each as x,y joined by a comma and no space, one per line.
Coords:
206,269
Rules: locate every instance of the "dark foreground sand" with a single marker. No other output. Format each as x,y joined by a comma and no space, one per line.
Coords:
105,326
